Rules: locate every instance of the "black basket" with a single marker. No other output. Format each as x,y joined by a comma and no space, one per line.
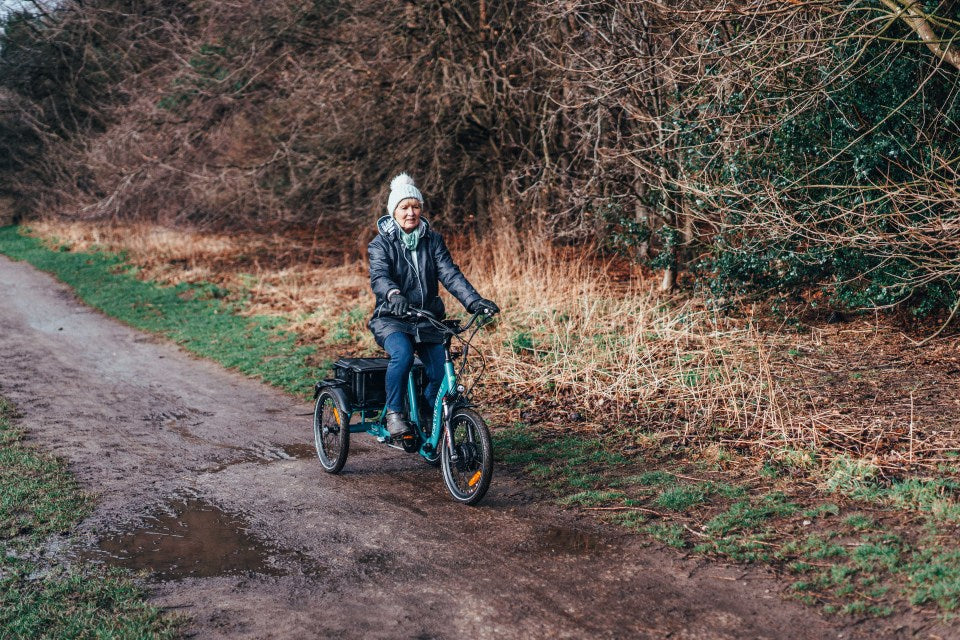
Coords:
364,380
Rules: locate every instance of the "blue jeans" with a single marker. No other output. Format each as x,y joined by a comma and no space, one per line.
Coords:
401,347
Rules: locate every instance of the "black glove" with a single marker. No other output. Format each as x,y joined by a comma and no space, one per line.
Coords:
486,306
399,305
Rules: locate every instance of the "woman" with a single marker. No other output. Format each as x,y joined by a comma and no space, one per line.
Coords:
407,259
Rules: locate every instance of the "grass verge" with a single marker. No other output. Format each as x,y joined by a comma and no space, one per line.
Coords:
846,540
38,597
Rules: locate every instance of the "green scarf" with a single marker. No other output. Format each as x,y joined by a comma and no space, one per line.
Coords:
410,240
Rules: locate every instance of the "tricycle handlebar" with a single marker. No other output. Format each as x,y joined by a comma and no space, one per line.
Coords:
416,312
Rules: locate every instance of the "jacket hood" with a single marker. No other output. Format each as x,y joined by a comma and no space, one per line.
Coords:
387,226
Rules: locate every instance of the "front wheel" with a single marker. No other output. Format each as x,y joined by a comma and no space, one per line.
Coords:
331,429
467,472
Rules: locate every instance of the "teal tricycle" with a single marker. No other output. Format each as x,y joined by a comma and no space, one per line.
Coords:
452,436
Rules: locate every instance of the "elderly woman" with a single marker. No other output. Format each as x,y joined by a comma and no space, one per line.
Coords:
407,260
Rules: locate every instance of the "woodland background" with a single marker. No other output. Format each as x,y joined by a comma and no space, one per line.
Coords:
765,148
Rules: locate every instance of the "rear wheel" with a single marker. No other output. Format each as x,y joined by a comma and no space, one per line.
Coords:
467,472
331,429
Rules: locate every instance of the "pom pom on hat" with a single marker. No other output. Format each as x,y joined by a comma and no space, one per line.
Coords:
401,180
401,188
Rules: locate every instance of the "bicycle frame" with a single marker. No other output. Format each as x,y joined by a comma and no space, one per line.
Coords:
443,406
441,411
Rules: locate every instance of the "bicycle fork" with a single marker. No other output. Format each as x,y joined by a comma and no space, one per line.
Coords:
446,402
448,429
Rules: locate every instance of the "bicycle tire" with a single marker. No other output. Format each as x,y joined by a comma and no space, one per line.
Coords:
331,429
468,478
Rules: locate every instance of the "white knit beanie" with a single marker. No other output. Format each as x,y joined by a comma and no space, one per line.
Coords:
401,188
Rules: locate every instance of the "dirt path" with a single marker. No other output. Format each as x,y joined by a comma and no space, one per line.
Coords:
173,445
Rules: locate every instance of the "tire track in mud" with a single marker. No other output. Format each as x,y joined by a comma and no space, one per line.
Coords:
379,552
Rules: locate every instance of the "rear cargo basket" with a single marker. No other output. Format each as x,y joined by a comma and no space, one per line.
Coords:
365,378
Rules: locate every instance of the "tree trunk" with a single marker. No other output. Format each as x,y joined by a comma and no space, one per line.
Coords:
910,11
669,279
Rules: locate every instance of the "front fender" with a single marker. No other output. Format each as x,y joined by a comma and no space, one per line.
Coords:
460,402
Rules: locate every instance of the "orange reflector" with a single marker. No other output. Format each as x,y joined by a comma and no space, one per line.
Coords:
475,479
336,415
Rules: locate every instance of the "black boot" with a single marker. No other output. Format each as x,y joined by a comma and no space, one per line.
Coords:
397,424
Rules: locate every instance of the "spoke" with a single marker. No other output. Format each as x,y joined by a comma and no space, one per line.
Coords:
330,433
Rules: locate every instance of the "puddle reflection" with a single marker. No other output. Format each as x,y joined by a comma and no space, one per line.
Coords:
193,539
300,451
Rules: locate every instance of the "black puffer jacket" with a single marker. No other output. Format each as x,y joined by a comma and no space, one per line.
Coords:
392,267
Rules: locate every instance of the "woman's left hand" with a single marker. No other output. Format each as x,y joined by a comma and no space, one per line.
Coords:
488,307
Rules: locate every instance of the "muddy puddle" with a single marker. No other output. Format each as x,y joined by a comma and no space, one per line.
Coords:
268,455
300,451
277,453
564,540
191,539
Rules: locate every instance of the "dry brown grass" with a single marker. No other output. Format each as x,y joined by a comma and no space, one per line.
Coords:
573,339
613,351
619,353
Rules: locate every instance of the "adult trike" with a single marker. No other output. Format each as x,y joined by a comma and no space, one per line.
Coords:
453,435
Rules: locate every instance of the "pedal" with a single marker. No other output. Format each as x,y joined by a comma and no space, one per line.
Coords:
409,442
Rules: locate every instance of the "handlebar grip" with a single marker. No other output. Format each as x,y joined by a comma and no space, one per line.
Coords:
419,313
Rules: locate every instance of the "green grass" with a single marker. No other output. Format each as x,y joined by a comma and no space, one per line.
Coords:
653,479
75,605
747,515
39,497
349,327
883,552
852,477
935,577
858,480
822,510
196,316
681,498
747,548
860,521
857,578
669,534
571,465
592,498
631,519
817,547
